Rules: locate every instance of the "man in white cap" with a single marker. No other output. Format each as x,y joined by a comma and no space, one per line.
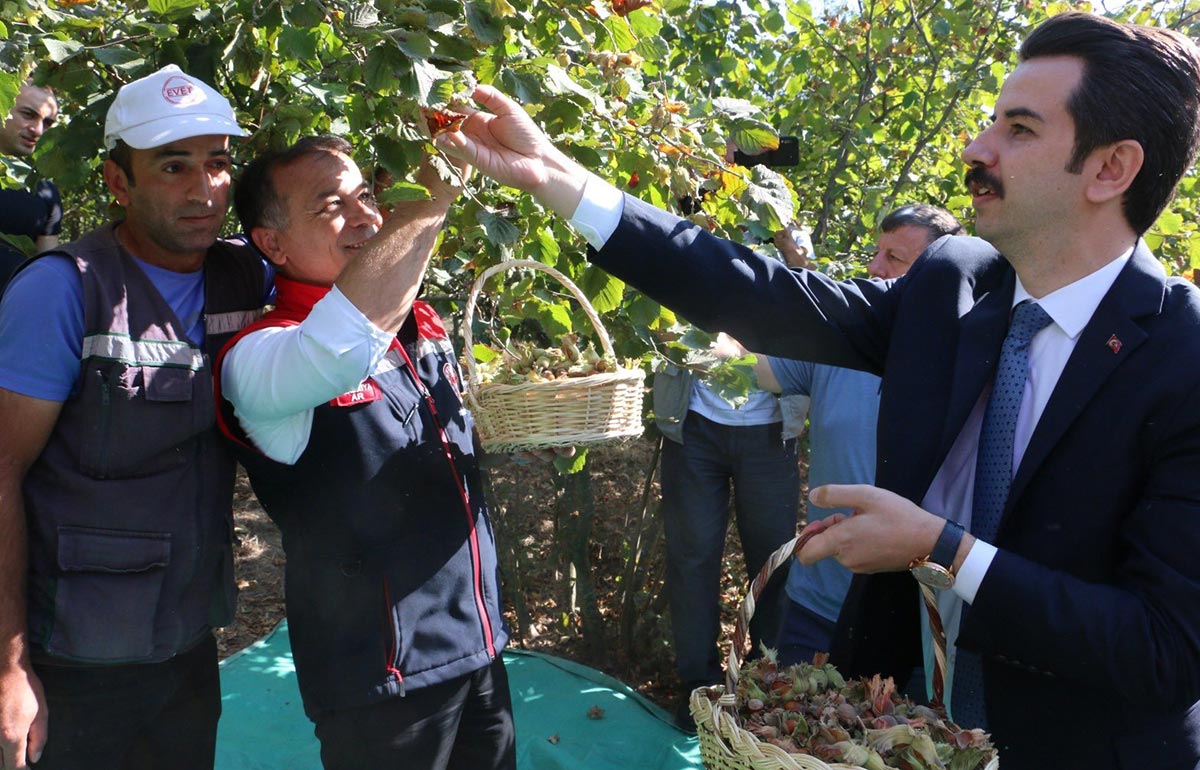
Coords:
115,492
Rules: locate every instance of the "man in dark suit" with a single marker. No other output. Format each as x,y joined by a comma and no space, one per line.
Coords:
1078,469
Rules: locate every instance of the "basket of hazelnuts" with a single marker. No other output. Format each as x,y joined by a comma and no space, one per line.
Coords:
527,397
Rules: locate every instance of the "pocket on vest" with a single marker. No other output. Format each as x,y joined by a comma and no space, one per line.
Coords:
140,421
107,593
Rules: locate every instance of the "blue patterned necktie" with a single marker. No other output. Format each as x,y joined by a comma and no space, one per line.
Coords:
993,477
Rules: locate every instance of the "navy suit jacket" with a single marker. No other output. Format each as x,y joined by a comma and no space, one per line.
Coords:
1088,619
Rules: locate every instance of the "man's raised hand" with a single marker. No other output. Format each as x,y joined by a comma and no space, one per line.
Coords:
505,144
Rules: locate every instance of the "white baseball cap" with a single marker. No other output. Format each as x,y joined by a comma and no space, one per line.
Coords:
166,107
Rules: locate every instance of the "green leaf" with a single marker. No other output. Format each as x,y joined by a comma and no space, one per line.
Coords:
499,230
645,25
298,43
524,88
573,464
362,16
167,7
653,49
501,8
554,318
396,156
773,22
603,290
482,353
451,47
559,82
753,136
304,14
732,379
416,45
379,70
119,57
403,192
484,24
696,338
61,50
10,88
545,248
417,78
1169,223
622,36
769,198
644,311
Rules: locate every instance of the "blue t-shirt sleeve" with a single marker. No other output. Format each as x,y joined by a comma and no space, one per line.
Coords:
795,377
41,329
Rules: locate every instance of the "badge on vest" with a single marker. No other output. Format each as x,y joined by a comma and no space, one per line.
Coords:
365,393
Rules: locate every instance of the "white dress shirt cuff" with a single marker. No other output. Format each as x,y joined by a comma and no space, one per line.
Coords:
599,211
974,567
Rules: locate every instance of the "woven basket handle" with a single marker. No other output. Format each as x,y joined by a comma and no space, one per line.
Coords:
477,287
783,555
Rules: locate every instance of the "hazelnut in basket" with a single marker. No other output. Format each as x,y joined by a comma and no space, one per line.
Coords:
811,709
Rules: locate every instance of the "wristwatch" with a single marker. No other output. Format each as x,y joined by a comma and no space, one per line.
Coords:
935,570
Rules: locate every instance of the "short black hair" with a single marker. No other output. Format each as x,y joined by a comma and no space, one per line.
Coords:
255,198
936,221
121,154
1140,83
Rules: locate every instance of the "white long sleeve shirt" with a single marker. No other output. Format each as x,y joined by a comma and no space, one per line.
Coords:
275,377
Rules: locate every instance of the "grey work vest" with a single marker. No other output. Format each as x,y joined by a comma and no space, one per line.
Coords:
129,505
672,391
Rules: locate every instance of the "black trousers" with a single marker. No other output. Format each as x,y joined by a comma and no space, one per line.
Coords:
136,716
463,724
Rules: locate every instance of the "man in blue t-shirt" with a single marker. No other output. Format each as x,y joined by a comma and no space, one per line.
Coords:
843,407
115,494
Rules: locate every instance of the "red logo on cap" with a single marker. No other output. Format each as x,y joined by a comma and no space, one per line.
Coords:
179,90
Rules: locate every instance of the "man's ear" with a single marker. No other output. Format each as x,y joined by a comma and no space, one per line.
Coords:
1116,166
117,181
267,241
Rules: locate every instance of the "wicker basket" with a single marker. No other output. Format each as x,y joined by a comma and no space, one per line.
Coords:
724,745
580,411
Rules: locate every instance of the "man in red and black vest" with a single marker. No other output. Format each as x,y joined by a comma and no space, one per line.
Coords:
346,404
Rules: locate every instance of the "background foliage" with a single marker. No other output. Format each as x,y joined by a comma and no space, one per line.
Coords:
883,95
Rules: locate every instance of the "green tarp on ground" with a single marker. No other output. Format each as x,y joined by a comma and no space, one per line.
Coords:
263,726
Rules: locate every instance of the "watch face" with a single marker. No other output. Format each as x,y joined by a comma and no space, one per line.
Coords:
933,575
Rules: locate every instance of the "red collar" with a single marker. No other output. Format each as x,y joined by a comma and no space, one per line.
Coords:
294,300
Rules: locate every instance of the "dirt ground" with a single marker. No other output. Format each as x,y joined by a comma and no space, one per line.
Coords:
528,519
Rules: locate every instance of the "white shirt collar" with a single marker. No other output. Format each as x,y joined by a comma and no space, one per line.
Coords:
1072,306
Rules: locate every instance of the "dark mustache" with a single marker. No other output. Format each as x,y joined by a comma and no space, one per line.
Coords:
978,175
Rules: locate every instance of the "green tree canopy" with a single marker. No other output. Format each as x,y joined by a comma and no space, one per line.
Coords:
882,94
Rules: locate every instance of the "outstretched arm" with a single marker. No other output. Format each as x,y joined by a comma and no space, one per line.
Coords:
505,144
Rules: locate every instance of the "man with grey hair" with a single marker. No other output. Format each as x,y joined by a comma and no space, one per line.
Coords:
842,423
115,490
905,233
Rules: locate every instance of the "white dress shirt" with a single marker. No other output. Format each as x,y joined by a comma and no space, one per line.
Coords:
951,493
275,377
953,488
